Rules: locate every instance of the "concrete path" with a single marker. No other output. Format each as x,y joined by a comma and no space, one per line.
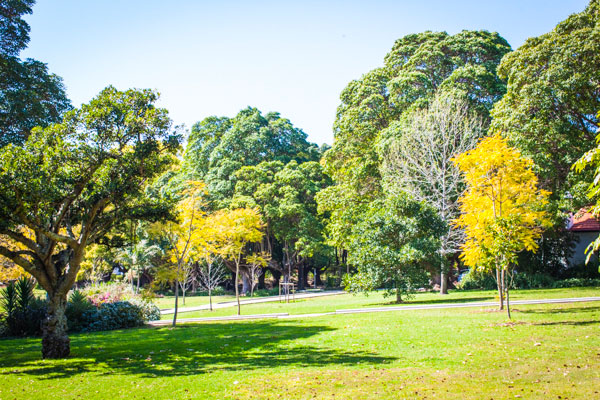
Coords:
266,299
374,310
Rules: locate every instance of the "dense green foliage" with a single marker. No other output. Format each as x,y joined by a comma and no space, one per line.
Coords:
30,96
553,96
419,67
220,146
393,244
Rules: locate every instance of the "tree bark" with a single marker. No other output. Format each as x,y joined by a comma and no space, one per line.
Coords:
443,282
55,341
500,283
301,277
398,296
237,289
176,302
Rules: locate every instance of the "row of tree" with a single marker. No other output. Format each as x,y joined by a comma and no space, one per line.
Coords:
456,145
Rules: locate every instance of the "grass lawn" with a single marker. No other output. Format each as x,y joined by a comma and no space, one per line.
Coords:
190,301
337,302
549,351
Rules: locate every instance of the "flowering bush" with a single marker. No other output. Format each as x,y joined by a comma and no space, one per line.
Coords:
111,292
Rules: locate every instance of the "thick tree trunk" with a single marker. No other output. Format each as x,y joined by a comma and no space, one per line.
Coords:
261,281
246,284
301,277
55,341
443,282
398,296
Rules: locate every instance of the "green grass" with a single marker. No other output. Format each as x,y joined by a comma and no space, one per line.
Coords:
377,299
548,351
190,301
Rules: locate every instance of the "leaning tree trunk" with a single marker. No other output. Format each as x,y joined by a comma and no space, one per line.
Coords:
55,341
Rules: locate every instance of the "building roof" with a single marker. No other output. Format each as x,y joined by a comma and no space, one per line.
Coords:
583,222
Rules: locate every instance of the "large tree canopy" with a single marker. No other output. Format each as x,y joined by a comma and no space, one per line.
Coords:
30,96
218,147
553,95
417,68
72,182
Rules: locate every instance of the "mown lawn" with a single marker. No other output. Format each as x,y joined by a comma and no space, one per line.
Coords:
190,301
377,299
547,352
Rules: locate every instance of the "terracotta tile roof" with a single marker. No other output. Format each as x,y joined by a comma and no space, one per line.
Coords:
583,222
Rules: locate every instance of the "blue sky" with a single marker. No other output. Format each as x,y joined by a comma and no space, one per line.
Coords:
217,57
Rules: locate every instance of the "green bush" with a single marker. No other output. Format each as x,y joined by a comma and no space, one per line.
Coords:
24,314
476,280
532,281
117,315
150,311
78,305
577,282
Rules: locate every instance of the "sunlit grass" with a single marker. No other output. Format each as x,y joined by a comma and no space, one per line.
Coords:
548,351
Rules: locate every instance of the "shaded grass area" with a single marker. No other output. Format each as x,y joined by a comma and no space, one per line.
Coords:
547,351
377,299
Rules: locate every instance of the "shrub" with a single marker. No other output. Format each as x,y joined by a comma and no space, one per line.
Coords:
108,292
532,281
150,311
577,282
77,306
109,316
24,313
477,280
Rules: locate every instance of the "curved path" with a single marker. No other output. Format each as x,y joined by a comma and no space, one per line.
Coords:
375,310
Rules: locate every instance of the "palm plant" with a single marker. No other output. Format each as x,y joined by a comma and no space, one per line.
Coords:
139,258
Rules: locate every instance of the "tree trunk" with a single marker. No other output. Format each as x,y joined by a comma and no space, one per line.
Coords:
507,303
500,283
398,296
137,288
210,298
246,284
237,289
261,281
183,294
176,302
443,282
301,277
55,341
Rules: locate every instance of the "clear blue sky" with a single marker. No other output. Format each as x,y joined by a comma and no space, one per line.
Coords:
217,57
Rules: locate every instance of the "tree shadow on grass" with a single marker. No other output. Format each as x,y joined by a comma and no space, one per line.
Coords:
566,310
438,301
185,350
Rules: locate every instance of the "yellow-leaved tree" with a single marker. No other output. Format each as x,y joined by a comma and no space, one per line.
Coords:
237,229
502,209
181,234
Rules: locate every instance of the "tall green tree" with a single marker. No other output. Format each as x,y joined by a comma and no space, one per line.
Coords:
553,95
30,96
418,67
72,182
285,194
393,245
218,147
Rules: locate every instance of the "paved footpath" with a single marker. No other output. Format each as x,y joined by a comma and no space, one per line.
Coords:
266,299
374,310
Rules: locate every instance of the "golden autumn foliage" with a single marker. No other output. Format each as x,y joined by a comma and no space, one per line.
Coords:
502,208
